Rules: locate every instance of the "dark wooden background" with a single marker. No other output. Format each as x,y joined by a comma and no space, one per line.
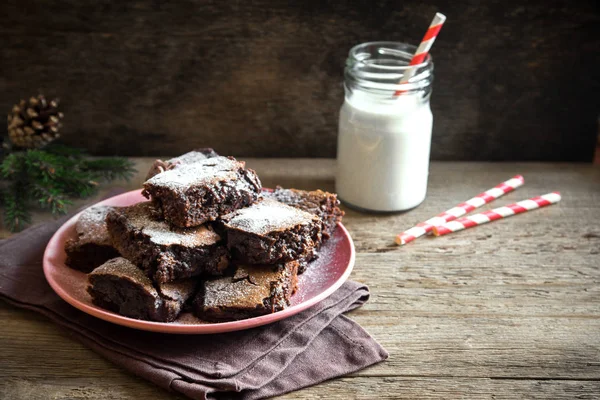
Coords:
515,80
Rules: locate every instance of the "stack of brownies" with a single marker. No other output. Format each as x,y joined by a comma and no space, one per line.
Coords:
209,238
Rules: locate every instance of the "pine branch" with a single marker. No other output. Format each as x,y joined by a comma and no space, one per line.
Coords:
14,194
42,166
62,174
16,212
51,198
49,177
110,168
75,183
12,164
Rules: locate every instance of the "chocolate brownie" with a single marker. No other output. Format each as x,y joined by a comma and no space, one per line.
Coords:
165,253
324,205
193,194
121,287
254,290
92,246
188,158
270,232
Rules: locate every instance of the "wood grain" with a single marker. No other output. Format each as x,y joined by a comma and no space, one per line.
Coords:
503,311
514,80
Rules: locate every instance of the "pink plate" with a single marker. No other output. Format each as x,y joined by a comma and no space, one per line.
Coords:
323,277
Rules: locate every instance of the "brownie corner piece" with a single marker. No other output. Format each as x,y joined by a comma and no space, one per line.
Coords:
196,193
119,286
92,246
323,204
270,232
164,252
252,291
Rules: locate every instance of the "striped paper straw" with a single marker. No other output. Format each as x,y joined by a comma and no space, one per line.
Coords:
423,49
458,211
497,213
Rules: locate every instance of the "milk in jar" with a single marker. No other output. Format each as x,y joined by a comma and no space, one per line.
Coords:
385,128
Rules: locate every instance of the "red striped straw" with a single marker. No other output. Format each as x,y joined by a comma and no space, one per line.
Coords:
497,213
423,49
458,211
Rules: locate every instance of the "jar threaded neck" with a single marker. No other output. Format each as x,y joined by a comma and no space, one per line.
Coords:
378,67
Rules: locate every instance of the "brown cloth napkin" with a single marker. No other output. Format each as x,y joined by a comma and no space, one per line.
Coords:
315,345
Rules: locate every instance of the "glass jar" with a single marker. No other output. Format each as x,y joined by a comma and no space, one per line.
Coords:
384,133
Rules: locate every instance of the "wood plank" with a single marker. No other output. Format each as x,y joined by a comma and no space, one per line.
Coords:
362,388
264,78
497,290
485,347
124,387
448,388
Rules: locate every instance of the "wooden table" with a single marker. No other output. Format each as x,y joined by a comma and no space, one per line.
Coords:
506,310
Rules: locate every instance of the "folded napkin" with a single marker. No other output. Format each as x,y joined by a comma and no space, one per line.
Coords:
315,345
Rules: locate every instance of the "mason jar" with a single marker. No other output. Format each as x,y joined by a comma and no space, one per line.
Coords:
384,134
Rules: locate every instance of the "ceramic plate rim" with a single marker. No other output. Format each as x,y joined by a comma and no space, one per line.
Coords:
169,327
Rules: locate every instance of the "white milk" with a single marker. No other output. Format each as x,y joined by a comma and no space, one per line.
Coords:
383,151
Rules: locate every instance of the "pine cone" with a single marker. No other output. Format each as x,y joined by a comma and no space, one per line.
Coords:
34,123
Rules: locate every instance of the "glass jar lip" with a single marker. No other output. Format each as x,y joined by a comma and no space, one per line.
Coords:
380,67
390,47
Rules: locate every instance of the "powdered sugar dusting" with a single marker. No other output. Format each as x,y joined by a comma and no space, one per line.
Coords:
141,217
189,158
266,216
178,290
245,290
91,226
320,271
122,268
242,294
205,171
190,237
